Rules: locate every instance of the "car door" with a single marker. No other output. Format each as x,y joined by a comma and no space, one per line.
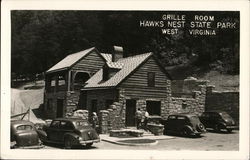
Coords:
65,127
215,119
180,123
170,123
53,130
205,119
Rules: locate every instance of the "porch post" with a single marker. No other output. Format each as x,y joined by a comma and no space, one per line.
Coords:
69,80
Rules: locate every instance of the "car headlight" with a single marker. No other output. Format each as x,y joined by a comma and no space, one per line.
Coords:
79,138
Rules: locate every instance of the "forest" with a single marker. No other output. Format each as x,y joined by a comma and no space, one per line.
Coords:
40,39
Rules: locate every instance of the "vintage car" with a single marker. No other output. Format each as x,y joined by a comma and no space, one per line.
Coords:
183,124
24,135
218,120
70,132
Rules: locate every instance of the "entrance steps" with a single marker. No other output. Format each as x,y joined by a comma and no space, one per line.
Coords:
145,133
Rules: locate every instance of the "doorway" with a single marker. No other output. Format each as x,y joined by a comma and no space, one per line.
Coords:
59,108
93,106
130,112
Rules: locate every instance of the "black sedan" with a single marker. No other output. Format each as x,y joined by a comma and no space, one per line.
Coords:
184,124
70,132
218,120
24,135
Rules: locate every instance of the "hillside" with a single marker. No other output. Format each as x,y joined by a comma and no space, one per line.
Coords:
221,81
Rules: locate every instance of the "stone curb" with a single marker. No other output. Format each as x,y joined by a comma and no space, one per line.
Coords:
131,144
114,140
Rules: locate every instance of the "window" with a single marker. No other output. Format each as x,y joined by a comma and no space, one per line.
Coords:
151,79
82,123
153,107
205,115
55,124
181,118
49,104
171,117
61,80
53,83
215,116
24,127
66,125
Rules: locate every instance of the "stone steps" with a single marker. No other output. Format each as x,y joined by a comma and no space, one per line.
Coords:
145,133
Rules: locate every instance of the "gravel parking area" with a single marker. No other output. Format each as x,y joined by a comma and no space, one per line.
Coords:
211,141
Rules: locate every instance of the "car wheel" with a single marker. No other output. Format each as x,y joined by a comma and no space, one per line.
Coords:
229,130
217,128
88,145
67,143
185,132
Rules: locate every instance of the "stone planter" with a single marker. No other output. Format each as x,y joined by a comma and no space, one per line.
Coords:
125,133
156,129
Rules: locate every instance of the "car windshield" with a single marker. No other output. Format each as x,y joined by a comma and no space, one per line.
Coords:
81,124
225,115
24,127
194,119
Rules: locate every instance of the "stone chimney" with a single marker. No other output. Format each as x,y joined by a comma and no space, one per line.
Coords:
117,53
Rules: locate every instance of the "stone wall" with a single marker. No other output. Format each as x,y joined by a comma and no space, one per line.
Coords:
100,96
225,101
195,105
72,101
114,117
184,88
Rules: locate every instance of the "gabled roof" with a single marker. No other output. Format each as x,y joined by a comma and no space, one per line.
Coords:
70,60
129,64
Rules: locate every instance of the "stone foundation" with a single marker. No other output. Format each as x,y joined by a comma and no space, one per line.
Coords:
70,102
114,118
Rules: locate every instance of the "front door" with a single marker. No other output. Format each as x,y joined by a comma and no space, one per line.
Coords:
130,112
59,108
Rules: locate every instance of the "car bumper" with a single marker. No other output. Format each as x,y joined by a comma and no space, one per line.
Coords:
199,133
89,141
27,147
232,127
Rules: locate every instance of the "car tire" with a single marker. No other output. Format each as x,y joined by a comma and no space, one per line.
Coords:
217,128
229,130
68,143
88,145
185,132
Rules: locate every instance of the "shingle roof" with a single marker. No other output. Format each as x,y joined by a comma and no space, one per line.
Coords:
107,57
70,60
129,65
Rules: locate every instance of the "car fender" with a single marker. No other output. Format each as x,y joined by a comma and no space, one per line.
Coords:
42,135
222,124
188,127
72,136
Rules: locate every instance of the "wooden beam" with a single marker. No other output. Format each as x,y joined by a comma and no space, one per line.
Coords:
69,80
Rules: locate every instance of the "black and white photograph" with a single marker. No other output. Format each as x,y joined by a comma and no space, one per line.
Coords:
103,81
